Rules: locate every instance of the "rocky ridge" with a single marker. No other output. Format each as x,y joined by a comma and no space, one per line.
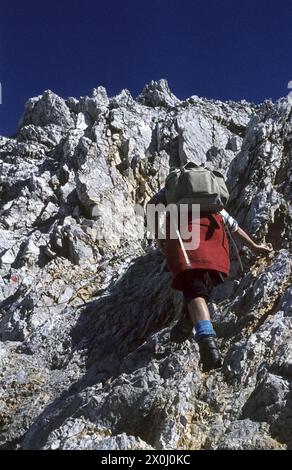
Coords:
86,359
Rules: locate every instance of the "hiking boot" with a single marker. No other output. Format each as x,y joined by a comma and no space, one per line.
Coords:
183,329
209,353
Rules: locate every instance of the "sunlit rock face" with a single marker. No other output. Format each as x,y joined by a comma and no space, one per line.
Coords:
85,305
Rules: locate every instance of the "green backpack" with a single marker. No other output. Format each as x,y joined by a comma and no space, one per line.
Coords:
194,184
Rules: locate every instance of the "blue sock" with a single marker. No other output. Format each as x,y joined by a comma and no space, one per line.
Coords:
204,328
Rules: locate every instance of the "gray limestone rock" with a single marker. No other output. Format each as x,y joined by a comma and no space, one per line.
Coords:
157,93
86,308
47,109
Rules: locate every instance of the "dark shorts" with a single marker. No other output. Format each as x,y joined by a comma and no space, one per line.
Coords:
198,282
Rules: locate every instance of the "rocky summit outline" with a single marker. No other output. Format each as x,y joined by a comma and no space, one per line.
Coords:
86,361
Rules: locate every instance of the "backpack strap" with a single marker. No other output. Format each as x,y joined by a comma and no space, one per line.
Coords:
189,165
235,248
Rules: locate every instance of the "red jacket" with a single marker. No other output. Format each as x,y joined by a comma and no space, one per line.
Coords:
212,252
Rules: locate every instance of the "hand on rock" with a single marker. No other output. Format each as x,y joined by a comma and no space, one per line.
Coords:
262,249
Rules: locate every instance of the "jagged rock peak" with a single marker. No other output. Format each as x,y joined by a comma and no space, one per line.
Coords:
100,93
122,99
158,93
45,109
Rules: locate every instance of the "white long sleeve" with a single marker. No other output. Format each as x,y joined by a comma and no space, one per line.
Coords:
229,221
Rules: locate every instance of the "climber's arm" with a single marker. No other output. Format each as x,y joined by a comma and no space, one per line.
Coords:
158,198
257,249
239,233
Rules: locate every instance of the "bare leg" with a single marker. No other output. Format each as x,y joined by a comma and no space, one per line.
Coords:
198,310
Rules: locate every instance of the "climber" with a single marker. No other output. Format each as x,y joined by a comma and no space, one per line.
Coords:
209,266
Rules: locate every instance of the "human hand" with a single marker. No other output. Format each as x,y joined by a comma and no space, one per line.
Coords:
262,249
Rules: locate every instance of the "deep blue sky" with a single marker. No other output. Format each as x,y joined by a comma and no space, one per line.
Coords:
224,49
